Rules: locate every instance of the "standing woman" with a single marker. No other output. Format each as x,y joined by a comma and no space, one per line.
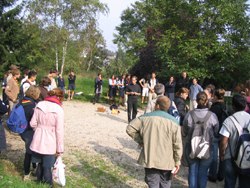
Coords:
145,90
48,124
121,84
198,168
61,83
29,104
98,87
170,88
180,102
72,85
112,89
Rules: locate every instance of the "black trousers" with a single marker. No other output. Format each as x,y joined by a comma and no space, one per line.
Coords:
157,178
132,106
97,96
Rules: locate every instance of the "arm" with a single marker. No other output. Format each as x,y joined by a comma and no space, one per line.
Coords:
181,107
33,121
133,130
177,147
110,82
223,144
200,89
8,91
60,131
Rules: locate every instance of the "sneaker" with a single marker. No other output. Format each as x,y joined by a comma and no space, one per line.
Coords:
33,171
142,102
26,178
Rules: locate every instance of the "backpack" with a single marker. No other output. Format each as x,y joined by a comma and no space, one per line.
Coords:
113,106
17,121
21,93
174,112
226,112
200,142
241,159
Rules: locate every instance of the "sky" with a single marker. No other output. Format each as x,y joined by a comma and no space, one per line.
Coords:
108,23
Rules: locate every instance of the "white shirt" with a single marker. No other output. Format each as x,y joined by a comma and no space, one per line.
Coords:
24,79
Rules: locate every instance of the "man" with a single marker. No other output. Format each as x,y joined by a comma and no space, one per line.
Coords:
184,80
160,137
152,82
126,83
230,138
159,90
30,81
194,89
12,89
133,90
25,75
52,74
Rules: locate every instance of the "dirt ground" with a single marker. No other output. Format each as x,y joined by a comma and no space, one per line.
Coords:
102,134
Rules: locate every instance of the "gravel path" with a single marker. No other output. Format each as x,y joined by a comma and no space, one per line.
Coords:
99,134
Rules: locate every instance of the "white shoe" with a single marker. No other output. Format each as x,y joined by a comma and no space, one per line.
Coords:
142,102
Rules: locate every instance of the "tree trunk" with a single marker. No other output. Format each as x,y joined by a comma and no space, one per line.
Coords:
90,61
56,57
65,43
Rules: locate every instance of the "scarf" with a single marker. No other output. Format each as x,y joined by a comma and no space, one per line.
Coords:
28,100
53,99
29,82
16,80
128,80
113,82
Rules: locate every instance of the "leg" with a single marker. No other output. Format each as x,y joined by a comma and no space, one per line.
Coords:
98,96
135,104
191,104
68,94
243,181
150,96
73,91
119,100
230,174
204,164
95,98
129,110
213,167
221,171
195,104
142,99
39,173
126,101
165,182
152,177
47,176
27,161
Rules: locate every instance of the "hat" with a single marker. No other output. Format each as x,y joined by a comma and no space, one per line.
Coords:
13,67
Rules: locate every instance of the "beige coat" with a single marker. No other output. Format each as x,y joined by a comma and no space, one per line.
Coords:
160,135
12,89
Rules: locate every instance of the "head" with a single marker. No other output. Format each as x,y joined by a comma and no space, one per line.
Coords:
195,81
57,93
184,74
32,75
99,75
183,93
209,90
148,76
117,78
159,89
15,73
25,72
219,95
202,99
239,103
134,80
60,75
153,75
53,72
8,72
171,79
247,85
45,81
128,75
162,103
123,76
112,76
33,92
72,72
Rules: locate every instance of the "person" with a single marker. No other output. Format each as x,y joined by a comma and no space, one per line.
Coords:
184,81
44,86
112,89
152,82
98,87
3,110
127,82
219,108
29,104
209,90
133,90
121,84
51,75
72,85
144,84
25,76
229,139
180,102
50,87
247,85
194,89
198,168
159,134
26,84
170,88
12,89
12,67
61,83
117,87
3,86
48,124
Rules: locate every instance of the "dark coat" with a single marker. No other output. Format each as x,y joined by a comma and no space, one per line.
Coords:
98,84
184,82
61,82
170,88
181,107
43,93
3,110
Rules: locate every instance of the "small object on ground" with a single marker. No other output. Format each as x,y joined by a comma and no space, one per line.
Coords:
84,94
101,109
115,111
142,102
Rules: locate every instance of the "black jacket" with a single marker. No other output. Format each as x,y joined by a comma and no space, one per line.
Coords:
181,107
28,106
184,82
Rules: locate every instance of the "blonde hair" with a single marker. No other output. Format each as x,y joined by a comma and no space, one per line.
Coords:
33,92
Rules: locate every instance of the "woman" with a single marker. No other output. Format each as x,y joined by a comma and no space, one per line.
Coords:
112,89
198,167
170,88
72,85
48,124
3,110
180,102
29,104
44,86
247,85
222,111
98,87
61,84
121,84
145,88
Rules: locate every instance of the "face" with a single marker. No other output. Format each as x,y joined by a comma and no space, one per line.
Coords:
54,74
172,79
134,80
117,78
33,78
113,77
153,75
184,95
184,74
123,76
194,81
128,77
17,76
100,76
208,94
71,73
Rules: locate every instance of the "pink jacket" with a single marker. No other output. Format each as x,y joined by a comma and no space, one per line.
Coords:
48,124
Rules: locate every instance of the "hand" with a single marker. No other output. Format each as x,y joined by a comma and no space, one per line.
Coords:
177,169
222,158
14,101
58,154
153,90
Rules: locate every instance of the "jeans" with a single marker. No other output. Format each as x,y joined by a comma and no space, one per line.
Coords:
157,178
197,177
231,176
213,168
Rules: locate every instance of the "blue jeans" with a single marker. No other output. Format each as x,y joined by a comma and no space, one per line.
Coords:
214,165
197,177
231,176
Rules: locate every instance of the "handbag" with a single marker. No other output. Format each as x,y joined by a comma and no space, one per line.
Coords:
58,173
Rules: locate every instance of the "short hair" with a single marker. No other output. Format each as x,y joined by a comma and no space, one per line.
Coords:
57,93
32,73
201,99
219,93
99,74
26,71
45,81
210,88
15,72
135,77
53,70
239,103
195,79
163,102
33,92
159,89
182,90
